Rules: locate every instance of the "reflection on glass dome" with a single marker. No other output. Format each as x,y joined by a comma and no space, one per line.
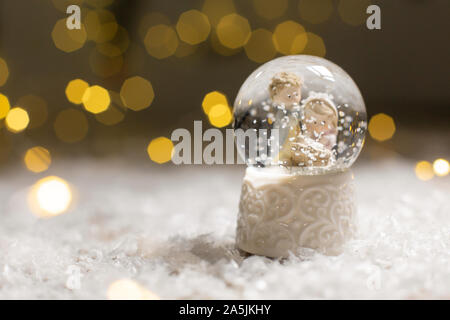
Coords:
300,112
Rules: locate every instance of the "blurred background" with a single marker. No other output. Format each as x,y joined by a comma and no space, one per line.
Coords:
137,70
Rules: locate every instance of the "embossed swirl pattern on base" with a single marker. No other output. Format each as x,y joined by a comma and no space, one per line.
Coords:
275,219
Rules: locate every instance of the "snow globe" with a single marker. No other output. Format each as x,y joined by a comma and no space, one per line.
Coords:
299,124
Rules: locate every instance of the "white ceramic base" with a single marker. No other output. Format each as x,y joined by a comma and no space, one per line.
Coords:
281,212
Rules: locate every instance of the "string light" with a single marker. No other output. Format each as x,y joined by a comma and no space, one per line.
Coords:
96,99
233,31
441,167
37,159
381,127
17,120
424,170
289,38
49,197
160,150
137,93
75,90
193,27
213,98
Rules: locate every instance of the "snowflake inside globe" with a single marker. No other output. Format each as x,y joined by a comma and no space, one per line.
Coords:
300,112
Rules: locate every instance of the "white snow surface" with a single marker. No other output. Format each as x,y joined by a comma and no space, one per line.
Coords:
172,230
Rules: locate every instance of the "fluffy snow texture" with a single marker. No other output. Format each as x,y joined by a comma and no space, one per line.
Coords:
172,230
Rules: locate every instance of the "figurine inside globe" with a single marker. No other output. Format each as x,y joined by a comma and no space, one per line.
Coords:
300,112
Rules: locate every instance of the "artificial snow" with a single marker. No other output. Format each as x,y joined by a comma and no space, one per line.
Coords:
171,229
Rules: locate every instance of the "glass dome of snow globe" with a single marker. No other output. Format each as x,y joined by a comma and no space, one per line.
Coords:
300,112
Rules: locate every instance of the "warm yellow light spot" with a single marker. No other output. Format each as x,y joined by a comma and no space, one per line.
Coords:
68,40
424,170
381,127
259,47
220,48
441,167
75,90
96,99
49,197
71,125
37,159
101,25
315,11
4,106
160,150
193,27
17,120
315,45
220,115
105,65
4,72
216,9
353,12
233,31
127,289
36,108
290,38
213,98
270,9
137,93
161,41
151,19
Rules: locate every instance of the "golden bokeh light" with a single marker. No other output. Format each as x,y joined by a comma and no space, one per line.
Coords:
115,113
36,108
270,9
50,197
160,150
126,289
105,65
213,98
259,47
121,42
68,40
37,159
4,72
315,45
424,170
441,167
137,93
220,48
220,115
4,106
101,25
315,11
216,9
96,99
233,31
289,38
381,127
17,119
353,12
161,41
151,19
75,90
193,27
71,125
